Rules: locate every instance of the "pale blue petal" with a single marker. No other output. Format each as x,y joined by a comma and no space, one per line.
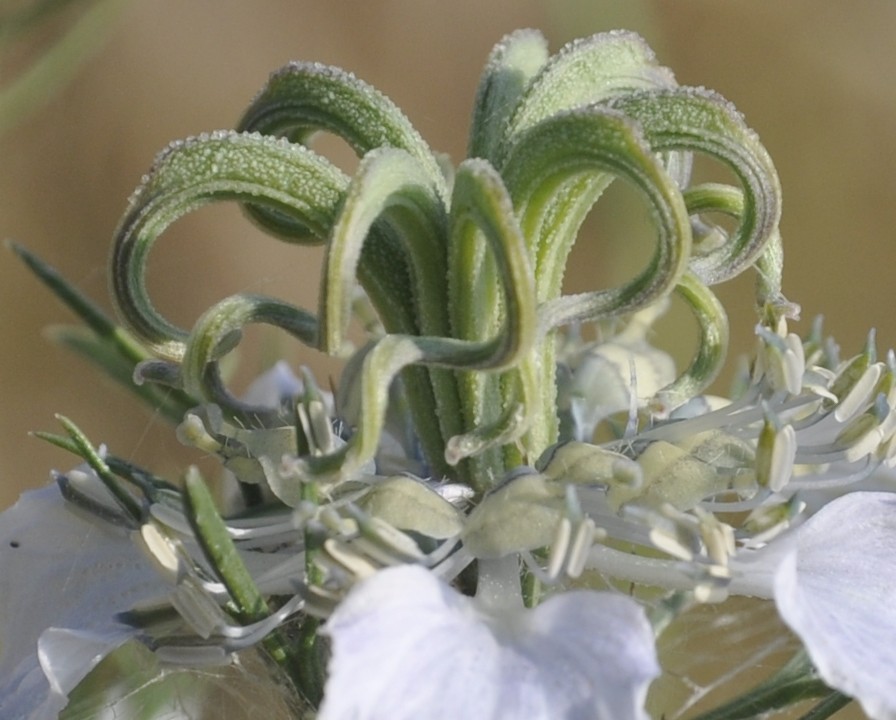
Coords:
272,387
405,645
64,576
837,591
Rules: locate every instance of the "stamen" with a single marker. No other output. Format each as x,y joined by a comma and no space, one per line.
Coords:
559,547
315,423
586,533
769,521
782,358
196,607
161,550
382,542
718,537
860,394
192,433
775,453
346,558
670,544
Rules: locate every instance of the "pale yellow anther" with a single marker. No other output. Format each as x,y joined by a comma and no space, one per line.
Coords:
860,394
161,550
709,593
330,518
386,544
775,454
199,609
559,548
581,544
348,559
315,424
192,432
718,537
671,545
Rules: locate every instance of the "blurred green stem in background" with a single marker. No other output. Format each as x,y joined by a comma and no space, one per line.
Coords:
56,66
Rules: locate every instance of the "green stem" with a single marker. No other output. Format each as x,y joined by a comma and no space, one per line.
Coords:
827,707
793,683
313,675
58,65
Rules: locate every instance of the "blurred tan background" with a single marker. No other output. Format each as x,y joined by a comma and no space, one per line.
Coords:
813,77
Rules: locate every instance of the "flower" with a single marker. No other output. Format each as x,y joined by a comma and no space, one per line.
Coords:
833,584
405,645
490,516
65,583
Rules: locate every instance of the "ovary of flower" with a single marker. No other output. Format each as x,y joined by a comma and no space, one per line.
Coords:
406,645
409,504
520,514
671,475
586,464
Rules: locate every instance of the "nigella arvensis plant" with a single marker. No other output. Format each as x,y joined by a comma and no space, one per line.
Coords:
491,516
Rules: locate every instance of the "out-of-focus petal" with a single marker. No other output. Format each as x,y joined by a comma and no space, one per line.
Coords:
837,591
274,386
63,579
405,645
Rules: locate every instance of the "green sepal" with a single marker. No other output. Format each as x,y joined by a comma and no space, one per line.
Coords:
93,316
219,550
85,449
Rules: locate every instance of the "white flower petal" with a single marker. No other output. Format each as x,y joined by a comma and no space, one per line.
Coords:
405,645
63,579
836,590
